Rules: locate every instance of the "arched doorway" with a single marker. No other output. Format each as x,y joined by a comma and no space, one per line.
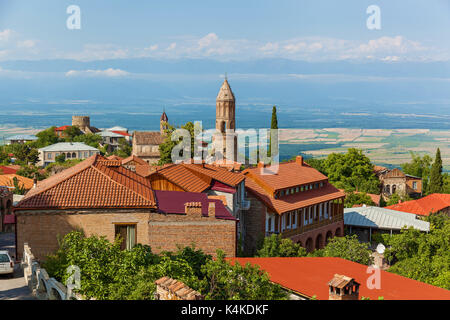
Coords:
309,245
338,232
319,241
328,236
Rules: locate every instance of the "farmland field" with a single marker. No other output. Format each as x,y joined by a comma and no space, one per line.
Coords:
389,147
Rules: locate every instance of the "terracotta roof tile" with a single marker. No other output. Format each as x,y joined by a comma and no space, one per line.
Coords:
310,276
135,159
294,201
91,184
184,178
148,137
289,174
430,204
7,170
217,173
8,180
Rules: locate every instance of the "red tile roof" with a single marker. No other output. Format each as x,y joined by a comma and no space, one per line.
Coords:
289,174
430,204
8,180
217,173
62,128
135,159
7,170
123,133
114,157
91,184
296,200
310,276
174,201
198,177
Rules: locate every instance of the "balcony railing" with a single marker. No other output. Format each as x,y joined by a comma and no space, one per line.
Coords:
316,224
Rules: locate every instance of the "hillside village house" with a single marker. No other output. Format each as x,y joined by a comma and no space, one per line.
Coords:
327,278
215,181
297,202
366,221
146,143
101,197
111,139
21,139
395,181
72,150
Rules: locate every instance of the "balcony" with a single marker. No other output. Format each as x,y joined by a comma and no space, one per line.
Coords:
316,224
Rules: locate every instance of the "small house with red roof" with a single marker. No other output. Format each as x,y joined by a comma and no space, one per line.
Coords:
433,203
327,278
101,197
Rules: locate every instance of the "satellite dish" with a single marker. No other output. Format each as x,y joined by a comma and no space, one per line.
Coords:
381,248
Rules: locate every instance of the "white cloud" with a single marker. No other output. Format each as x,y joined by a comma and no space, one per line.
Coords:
172,46
152,48
5,34
26,44
110,72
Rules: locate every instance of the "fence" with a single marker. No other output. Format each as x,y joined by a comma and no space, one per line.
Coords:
39,282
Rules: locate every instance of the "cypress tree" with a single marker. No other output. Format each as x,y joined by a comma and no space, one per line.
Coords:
436,180
273,125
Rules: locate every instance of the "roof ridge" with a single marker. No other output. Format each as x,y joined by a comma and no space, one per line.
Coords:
54,180
124,185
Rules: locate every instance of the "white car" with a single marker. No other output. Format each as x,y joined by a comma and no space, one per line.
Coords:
6,263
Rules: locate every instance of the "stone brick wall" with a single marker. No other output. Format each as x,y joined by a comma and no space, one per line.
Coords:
253,224
206,233
41,229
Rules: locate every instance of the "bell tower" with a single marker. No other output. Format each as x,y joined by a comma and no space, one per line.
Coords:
163,123
225,108
225,118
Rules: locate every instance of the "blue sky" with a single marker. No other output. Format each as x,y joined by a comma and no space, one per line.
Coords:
315,53
243,30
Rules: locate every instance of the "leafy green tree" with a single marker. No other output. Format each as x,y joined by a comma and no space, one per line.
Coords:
353,198
71,132
422,256
90,139
124,150
31,172
318,164
273,125
45,138
18,187
351,171
61,158
396,198
165,149
419,167
436,178
275,246
25,154
348,248
224,281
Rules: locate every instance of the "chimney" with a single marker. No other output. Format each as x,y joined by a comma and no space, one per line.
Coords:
193,209
211,209
260,164
299,160
34,182
343,288
171,289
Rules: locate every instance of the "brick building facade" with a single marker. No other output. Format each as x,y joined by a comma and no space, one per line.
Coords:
100,197
297,202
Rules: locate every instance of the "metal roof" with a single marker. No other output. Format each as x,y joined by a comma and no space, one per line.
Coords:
22,137
381,218
111,134
68,146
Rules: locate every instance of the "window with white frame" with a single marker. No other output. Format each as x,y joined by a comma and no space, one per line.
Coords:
305,216
310,215
325,205
320,211
330,208
283,222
